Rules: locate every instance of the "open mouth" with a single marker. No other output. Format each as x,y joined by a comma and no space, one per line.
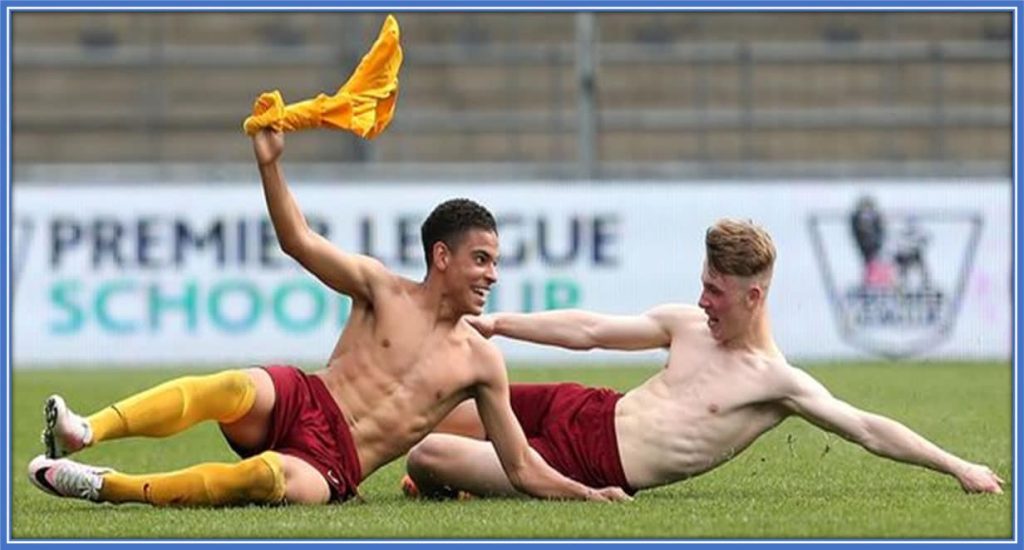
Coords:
480,291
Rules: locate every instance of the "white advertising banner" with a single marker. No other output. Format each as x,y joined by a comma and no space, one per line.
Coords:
192,273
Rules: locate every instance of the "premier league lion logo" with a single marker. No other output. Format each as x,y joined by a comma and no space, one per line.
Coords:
889,292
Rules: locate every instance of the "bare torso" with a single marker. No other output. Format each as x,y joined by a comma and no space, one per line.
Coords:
396,372
702,409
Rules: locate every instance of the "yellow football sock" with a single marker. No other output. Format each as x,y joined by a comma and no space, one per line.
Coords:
176,405
255,480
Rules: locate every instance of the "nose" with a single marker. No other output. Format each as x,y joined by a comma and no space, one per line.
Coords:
491,274
704,303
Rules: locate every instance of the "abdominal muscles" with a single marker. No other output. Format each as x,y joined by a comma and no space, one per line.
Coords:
665,442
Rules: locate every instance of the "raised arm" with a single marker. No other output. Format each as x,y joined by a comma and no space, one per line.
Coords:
352,274
880,435
526,470
584,330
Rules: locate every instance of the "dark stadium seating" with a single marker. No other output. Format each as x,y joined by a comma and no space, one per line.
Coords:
493,87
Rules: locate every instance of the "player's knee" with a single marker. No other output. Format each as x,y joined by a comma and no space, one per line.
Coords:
414,460
261,480
234,391
236,383
304,484
426,456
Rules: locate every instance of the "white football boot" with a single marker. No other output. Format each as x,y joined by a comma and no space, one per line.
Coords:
65,432
66,478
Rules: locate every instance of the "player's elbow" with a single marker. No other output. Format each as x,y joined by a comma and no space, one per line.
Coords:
291,244
522,476
868,442
586,339
867,434
580,344
519,482
295,244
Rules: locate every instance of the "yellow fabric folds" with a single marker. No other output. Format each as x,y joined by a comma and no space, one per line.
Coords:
364,105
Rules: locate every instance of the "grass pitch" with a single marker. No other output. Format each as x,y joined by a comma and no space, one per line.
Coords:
795,482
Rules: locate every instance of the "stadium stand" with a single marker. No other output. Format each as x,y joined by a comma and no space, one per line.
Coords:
847,90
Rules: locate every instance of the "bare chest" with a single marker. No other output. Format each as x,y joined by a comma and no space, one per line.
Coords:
402,364
680,424
712,384
707,397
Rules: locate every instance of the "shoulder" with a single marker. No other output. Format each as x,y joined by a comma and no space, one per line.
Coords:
676,312
391,286
676,319
484,364
376,269
387,294
482,349
792,381
485,358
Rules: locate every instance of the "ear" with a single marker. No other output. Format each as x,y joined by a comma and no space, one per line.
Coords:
754,295
441,255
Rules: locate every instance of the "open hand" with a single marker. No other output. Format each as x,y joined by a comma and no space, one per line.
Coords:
484,324
268,145
608,494
978,478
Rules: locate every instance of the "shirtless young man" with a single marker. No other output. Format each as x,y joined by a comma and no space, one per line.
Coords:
405,359
725,384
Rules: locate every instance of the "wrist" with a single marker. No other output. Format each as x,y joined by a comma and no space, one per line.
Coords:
958,468
497,328
585,491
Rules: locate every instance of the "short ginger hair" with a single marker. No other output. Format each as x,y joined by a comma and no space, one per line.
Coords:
740,248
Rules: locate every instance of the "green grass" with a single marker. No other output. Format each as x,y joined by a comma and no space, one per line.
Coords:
795,482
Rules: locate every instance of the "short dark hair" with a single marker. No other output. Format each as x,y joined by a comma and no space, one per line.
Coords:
450,221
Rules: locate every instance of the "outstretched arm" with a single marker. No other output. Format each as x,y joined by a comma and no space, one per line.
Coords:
882,436
525,469
584,330
351,274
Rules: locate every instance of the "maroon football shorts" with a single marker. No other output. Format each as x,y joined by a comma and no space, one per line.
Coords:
306,423
573,428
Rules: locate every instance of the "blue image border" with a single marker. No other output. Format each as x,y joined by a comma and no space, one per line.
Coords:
10,6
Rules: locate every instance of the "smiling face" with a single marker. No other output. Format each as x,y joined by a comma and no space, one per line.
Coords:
469,270
460,242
